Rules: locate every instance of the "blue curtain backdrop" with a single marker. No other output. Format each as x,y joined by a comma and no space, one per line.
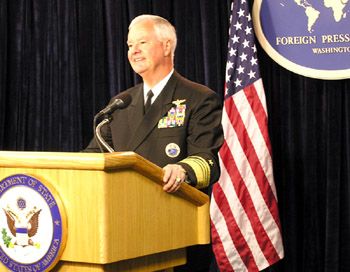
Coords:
62,60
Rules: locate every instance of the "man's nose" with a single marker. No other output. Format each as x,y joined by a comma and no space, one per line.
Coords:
134,49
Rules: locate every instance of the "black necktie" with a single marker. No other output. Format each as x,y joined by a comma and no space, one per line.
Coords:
148,101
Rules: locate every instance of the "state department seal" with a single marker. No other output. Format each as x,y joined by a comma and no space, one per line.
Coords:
32,224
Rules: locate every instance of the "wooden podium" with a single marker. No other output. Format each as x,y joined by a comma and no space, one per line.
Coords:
118,216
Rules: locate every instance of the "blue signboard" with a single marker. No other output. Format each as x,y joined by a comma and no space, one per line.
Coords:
308,37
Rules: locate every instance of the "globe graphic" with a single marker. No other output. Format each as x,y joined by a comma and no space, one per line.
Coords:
310,33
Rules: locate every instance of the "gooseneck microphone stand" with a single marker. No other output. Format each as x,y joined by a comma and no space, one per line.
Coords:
97,131
121,101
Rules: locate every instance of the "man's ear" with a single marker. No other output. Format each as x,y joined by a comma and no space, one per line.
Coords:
167,47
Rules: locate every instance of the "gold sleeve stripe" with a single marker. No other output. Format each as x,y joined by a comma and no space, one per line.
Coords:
201,169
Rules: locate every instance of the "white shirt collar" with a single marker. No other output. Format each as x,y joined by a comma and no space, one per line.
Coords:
157,89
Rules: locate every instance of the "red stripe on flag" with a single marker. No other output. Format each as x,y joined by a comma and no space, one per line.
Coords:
223,261
259,113
234,230
244,196
253,159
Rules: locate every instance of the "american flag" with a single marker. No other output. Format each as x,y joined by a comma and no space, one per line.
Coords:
245,225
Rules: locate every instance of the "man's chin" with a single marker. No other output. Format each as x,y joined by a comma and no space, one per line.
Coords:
139,70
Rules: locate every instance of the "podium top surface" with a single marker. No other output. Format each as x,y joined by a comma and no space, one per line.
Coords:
68,160
107,162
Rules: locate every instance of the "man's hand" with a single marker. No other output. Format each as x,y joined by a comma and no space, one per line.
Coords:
174,175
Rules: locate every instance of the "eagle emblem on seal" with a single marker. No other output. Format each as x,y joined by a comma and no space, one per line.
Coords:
23,224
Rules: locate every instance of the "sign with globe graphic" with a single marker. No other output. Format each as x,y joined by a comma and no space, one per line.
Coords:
308,37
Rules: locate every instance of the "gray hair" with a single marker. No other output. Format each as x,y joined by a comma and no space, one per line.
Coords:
163,29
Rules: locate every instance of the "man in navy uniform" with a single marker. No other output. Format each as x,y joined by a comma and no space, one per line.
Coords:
171,121
181,131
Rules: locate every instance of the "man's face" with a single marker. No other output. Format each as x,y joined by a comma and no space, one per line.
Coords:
146,53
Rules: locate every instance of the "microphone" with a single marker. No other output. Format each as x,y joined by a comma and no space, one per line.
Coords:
121,101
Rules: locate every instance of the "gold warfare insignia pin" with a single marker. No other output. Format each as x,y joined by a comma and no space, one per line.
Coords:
178,102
